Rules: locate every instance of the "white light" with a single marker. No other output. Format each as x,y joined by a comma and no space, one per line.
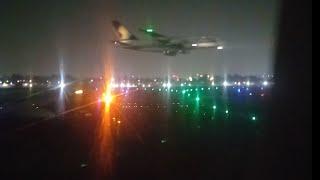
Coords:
79,92
212,84
194,45
220,47
225,83
62,85
190,78
248,83
5,85
265,83
30,85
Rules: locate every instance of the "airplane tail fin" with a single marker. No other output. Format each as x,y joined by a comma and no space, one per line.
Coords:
122,32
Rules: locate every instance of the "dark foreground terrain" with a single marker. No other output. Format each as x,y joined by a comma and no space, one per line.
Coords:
203,133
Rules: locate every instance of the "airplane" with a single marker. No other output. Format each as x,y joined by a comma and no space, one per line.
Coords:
160,43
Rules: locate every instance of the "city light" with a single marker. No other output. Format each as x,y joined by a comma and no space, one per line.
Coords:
225,83
195,45
214,107
254,118
79,92
5,85
265,83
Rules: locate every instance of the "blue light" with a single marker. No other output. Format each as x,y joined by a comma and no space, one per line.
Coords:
239,90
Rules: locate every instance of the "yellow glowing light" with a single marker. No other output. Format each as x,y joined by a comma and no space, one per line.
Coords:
107,98
79,92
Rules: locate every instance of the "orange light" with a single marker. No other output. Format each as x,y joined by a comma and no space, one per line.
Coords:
107,98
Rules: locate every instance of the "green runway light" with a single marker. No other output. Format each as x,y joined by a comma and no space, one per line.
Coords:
184,91
189,95
202,89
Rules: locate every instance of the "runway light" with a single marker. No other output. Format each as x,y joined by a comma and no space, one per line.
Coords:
107,98
214,107
225,83
254,118
197,99
62,85
227,111
78,92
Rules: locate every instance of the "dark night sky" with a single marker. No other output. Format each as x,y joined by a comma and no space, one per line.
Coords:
36,35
